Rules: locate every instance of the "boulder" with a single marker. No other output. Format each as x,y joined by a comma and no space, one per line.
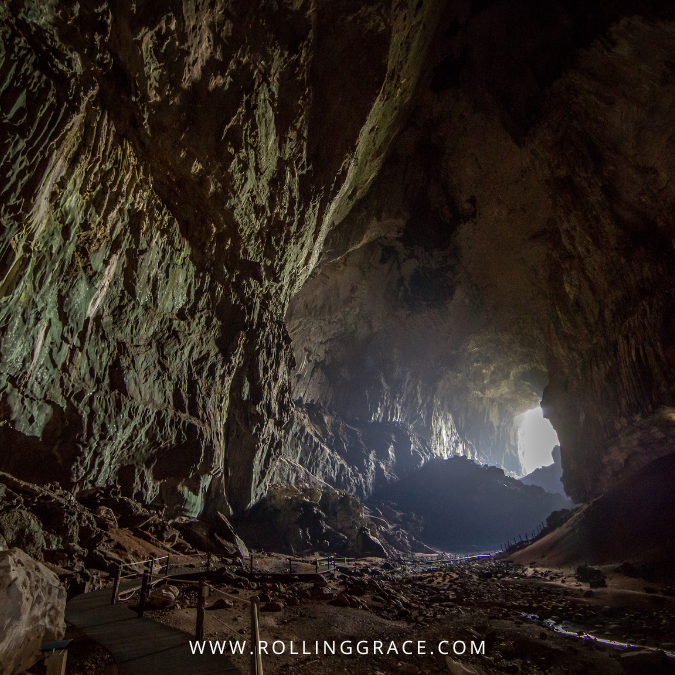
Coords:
321,594
272,607
163,597
225,531
22,529
32,608
200,535
340,601
586,573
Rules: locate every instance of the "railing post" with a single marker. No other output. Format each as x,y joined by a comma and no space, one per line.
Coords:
256,656
116,585
199,630
56,662
144,593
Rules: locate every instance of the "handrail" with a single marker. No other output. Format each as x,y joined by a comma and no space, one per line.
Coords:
150,580
144,562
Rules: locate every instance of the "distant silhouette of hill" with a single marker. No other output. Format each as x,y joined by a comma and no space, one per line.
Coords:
469,507
548,477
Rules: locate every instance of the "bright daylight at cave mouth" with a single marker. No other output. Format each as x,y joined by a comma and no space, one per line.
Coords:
536,440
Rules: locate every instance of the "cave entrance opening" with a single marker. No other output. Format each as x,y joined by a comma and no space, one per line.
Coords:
536,440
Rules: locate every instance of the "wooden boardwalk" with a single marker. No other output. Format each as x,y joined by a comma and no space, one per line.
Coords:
141,646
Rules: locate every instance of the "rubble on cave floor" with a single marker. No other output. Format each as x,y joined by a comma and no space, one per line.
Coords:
485,600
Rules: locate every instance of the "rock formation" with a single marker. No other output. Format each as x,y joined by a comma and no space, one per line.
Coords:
32,607
465,507
170,176
413,214
632,523
300,519
359,457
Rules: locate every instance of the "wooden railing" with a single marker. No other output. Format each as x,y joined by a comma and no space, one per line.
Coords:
162,568
330,561
149,579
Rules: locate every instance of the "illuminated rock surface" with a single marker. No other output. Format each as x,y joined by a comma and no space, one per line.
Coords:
32,606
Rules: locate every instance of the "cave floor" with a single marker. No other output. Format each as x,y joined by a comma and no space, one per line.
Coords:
440,604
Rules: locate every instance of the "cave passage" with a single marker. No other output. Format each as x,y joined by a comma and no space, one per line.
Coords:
281,284
536,440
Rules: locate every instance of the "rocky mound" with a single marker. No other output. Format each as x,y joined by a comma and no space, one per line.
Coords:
301,519
84,539
469,507
632,522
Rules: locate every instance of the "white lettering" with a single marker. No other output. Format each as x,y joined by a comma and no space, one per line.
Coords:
454,647
349,648
327,647
480,649
440,651
407,642
237,647
392,647
194,646
377,647
421,647
274,647
220,646
365,649
262,647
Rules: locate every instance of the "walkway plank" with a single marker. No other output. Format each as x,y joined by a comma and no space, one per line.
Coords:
141,646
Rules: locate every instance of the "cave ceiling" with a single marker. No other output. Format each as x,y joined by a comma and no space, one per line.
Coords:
255,242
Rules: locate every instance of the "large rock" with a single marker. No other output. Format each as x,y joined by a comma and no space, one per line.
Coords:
32,607
304,518
163,597
20,528
38,519
224,530
203,537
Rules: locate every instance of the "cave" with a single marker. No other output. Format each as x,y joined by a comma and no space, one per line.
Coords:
351,318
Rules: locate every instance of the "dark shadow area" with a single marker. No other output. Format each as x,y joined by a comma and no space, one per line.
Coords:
468,507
